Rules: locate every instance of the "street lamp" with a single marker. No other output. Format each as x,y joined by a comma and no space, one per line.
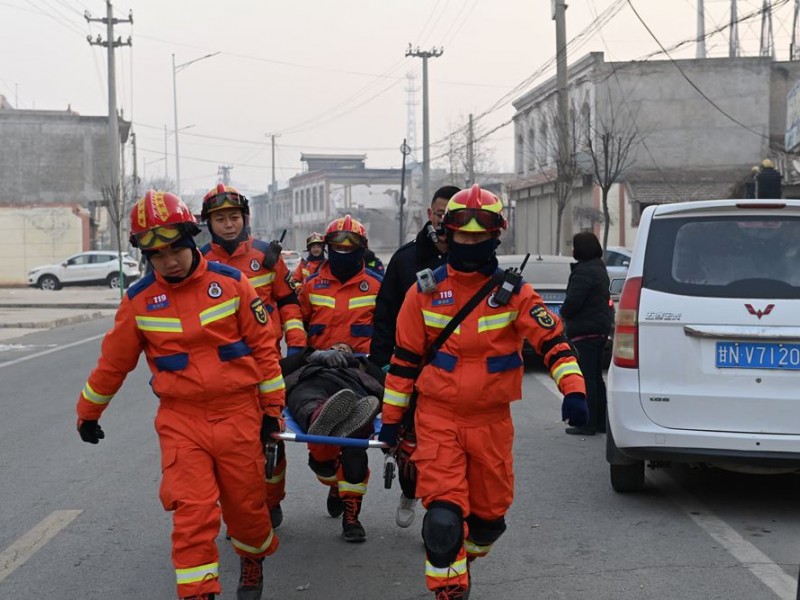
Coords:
175,69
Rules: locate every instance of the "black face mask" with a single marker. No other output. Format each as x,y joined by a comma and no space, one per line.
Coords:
345,264
472,257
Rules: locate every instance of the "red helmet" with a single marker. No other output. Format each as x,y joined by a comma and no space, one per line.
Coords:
314,238
223,196
474,211
347,232
159,219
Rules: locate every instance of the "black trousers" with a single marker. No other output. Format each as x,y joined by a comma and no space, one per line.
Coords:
590,360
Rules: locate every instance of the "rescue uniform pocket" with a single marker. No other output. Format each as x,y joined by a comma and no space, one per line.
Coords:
173,362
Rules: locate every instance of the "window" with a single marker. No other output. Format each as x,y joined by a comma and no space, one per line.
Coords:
531,149
81,259
102,258
543,149
314,196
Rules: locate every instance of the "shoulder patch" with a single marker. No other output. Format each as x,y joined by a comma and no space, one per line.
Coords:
440,273
259,312
260,245
141,285
374,274
205,249
543,317
225,270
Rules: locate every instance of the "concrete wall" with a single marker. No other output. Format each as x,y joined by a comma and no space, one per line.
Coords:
33,236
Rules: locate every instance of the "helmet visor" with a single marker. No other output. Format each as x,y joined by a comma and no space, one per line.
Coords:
226,200
345,239
157,237
486,221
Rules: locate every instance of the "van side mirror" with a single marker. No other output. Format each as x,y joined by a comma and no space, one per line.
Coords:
616,285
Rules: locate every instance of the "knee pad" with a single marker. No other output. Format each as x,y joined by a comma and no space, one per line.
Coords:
443,533
324,469
355,464
485,532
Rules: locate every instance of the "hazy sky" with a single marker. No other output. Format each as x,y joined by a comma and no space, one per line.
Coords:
326,76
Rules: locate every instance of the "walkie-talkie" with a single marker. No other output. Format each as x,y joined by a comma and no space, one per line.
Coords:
511,279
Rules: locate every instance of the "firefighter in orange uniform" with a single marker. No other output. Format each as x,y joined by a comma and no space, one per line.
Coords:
226,213
463,415
338,303
206,335
315,244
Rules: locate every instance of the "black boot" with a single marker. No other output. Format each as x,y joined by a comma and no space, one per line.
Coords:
352,530
251,580
335,504
276,516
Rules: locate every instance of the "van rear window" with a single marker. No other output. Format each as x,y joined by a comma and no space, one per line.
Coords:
724,257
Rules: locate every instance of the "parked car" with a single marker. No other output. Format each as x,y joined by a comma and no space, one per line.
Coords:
707,341
291,258
96,267
617,260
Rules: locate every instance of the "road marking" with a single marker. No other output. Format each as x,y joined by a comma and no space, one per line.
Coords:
26,546
758,563
46,352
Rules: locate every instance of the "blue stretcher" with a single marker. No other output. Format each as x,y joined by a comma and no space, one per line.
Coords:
294,433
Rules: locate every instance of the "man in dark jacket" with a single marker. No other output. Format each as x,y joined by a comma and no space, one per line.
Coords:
427,251
587,313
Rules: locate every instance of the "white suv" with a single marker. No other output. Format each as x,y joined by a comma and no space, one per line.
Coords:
707,343
86,268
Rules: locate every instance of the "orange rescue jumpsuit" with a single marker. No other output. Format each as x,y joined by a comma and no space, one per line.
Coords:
463,415
210,347
305,269
274,289
339,312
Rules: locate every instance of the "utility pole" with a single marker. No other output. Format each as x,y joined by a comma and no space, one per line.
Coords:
794,52
470,153
224,171
274,184
113,122
559,14
405,149
426,150
733,49
767,39
701,30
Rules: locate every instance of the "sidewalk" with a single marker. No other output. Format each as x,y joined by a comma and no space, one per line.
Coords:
25,310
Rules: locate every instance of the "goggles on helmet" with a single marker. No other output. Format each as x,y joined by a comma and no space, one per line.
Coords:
224,200
346,239
157,237
456,219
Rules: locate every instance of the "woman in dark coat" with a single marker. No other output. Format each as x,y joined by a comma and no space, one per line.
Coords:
587,313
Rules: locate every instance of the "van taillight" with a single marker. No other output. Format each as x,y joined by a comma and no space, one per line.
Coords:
626,333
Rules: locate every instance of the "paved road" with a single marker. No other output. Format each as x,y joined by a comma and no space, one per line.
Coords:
83,521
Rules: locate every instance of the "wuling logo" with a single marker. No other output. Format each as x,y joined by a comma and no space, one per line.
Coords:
759,313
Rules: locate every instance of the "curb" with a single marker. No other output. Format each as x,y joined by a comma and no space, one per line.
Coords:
54,323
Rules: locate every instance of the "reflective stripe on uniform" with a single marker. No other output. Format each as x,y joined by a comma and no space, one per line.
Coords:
164,324
320,300
293,324
195,574
271,385
327,478
277,479
433,319
497,321
476,550
220,311
396,398
453,570
352,488
251,549
566,368
94,397
361,301
262,280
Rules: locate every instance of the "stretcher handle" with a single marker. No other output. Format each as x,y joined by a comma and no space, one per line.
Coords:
326,439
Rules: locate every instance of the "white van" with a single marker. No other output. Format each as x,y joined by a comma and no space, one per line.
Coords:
706,359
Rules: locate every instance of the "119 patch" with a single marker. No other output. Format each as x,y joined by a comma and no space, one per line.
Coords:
259,312
543,317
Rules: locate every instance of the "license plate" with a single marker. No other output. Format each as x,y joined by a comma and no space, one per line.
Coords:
754,355
554,308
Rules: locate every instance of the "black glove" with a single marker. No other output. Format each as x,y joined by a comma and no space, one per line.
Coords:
574,410
389,434
90,431
269,425
328,358
272,254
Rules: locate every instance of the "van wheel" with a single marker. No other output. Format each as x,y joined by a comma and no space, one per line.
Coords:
627,478
49,283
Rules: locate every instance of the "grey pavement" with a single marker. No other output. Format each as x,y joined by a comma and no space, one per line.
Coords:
25,310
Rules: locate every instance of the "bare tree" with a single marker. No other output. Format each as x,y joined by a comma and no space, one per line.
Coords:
467,153
609,142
